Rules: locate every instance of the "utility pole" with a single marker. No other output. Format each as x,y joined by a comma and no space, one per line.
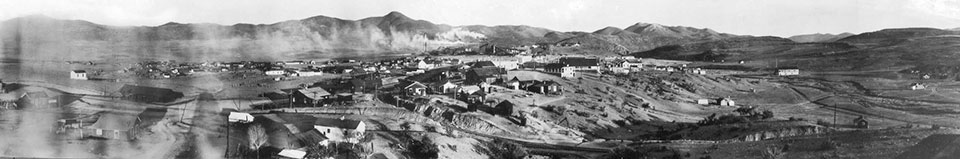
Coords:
226,151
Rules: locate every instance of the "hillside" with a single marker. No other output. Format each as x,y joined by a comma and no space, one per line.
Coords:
314,37
642,37
819,37
884,49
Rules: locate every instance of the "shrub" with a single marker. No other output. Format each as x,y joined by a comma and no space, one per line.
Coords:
767,114
424,148
503,149
773,153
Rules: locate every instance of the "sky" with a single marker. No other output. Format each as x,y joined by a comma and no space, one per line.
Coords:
743,17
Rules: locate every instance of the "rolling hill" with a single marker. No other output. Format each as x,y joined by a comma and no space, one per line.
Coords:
879,50
641,37
819,37
319,36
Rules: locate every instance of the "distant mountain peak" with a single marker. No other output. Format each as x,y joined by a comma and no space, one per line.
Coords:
819,37
610,30
396,15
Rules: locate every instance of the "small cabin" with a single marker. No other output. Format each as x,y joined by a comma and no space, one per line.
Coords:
78,74
703,101
917,86
860,122
789,71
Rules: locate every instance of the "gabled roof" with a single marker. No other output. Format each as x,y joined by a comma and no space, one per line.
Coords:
488,71
479,64
314,92
337,123
115,121
515,79
579,61
151,91
554,65
79,71
470,89
415,85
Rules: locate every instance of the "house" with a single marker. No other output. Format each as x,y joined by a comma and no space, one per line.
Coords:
423,64
703,101
473,96
481,64
917,86
484,74
445,87
513,83
698,71
554,68
531,65
306,73
506,64
237,117
148,94
113,125
542,87
273,72
340,130
581,63
504,108
311,96
788,71
291,153
726,102
415,89
78,74
631,64
562,70
860,122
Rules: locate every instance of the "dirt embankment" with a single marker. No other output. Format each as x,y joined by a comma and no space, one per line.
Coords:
783,132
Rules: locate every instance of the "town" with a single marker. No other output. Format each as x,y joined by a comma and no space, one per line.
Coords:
314,80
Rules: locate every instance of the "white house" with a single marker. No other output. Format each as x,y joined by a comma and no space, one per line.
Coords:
703,101
306,73
788,71
78,74
291,153
340,130
237,117
727,102
273,72
917,86
632,64
448,87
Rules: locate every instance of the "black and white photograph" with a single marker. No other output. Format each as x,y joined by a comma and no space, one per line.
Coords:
480,79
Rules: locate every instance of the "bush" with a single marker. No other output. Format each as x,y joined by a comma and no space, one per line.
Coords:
503,149
773,153
424,148
623,153
767,114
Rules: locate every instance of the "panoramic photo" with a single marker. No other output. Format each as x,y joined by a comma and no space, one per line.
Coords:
497,79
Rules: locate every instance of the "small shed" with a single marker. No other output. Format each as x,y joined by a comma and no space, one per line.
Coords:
703,101
291,153
78,74
237,117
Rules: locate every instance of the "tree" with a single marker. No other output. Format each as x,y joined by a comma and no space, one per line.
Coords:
767,114
257,137
624,153
503,149
424,148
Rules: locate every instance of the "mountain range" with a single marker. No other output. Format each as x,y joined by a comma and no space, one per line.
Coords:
313,37
819,37
883,50
40,37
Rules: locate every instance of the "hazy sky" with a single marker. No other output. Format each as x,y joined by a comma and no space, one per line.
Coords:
745,17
